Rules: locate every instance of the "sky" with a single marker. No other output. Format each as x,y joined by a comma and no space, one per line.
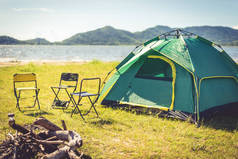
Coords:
57,20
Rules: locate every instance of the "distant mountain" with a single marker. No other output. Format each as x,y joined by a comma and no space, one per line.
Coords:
103,36
233,43
152,32
218,34
7,40
111,36
38,41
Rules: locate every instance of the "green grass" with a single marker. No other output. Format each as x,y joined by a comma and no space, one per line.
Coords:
118,133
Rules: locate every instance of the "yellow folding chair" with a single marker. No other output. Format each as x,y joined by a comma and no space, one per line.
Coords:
28,79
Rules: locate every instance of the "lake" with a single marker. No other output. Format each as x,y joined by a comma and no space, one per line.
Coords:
73,53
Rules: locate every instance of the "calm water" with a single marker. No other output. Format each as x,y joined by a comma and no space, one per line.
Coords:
73,53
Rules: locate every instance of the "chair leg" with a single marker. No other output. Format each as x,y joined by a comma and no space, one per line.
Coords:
18,100
34,100
18,105
70,100
37,99
76,106
57,98
95,109
56,95
92,106
18,96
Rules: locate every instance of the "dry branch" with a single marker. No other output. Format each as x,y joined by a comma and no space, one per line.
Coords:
58,142
63,125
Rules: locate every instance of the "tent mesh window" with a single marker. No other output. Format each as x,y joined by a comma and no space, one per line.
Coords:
155,69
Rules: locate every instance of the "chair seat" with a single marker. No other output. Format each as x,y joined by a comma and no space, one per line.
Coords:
84,94
63,86
27,88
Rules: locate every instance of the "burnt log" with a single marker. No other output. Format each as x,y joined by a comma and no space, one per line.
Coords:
51,142
46,124
74,142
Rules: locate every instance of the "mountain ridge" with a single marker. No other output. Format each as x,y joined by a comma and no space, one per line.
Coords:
109,35
38,41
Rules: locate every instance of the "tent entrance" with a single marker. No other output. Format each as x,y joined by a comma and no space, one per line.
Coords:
153,85
155,68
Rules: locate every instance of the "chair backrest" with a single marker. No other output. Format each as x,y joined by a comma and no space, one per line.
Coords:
69,77
91,79
26,77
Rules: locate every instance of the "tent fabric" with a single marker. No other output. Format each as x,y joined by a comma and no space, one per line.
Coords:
187,74
177,50
207,60
221,91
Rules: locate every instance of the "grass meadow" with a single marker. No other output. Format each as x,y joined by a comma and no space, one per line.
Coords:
117,133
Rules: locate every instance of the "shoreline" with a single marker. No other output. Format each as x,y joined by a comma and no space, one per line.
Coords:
39,62
11,62
55,62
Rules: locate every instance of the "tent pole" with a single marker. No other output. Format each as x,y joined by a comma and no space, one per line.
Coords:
197,103
104,81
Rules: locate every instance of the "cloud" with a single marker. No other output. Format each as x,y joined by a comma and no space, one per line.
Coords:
45,10
235,27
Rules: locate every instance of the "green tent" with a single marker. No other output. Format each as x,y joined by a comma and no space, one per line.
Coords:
177,71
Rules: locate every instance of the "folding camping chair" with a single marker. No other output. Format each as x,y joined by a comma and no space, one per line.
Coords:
66,78
25,79
81,94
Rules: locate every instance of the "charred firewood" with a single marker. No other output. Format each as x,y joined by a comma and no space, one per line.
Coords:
50,142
